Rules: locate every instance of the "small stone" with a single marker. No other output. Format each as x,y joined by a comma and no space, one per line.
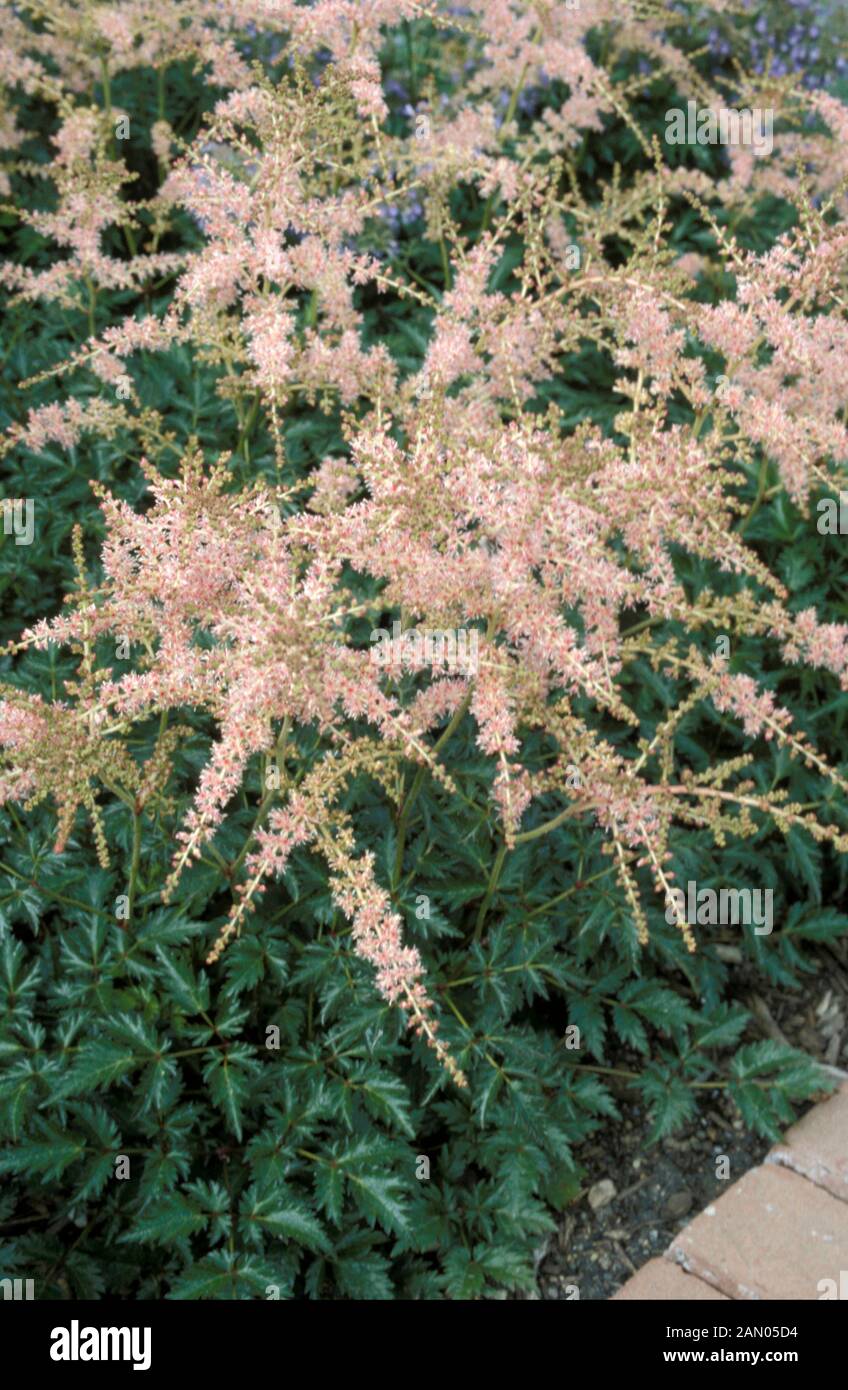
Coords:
601,1194
678,1203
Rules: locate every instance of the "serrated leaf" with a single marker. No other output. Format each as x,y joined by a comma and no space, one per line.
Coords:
379,1198
386,1097
171,1218
98,1063
228,1077
289,1220
190,992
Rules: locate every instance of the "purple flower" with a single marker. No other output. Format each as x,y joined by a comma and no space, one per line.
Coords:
393,88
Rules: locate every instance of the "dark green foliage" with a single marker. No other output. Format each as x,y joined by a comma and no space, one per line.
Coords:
300,1167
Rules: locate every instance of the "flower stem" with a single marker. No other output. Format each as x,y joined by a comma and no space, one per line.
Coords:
136,852
490,892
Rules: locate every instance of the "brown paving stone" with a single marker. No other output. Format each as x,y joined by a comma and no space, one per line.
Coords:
817,1147
661,1279
773,1234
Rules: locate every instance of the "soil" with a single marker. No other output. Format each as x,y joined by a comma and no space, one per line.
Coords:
637,1197
657,1192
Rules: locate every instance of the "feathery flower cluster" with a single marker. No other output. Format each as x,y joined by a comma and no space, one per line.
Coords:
465,504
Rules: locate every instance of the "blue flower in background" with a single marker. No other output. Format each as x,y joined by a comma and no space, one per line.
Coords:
804,37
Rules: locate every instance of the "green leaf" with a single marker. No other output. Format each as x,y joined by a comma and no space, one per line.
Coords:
671,1101
98,1063
48,1152
289,1220
226,1274
170,1218
386,1098
464,1276
328,1182
228,1076
379,1198
363,1276
189,992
